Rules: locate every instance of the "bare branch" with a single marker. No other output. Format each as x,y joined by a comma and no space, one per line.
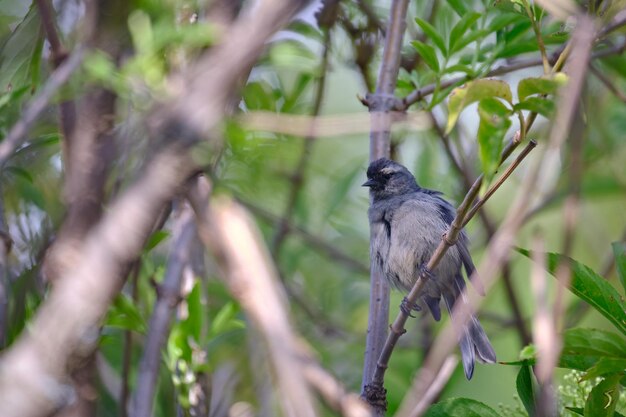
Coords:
379,105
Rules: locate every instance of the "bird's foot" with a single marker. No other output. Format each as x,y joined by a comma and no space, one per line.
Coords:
425,272
406,307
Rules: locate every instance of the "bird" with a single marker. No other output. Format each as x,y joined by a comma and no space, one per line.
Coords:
407,223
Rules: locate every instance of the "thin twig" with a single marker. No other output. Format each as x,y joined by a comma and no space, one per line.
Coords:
39,103
608,83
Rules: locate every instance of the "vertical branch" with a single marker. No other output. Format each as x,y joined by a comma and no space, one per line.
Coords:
168,296
380,104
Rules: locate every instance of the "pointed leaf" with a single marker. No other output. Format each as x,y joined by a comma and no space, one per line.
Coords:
461,407
540,105
592,288
458,6
462,26
428,54
603,398
584,348
525,390
432,34
494,123
606,366
540,85
471,92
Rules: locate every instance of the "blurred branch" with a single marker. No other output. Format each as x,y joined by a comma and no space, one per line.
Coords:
229,233
168,297
297,177
39,103
439,382
127,353
48,22
608,83
499,247
332,391
33,370
311,240
379,105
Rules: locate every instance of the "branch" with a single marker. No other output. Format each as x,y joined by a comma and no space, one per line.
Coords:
38,104
229,233
379,106
33,370
498,249
168,296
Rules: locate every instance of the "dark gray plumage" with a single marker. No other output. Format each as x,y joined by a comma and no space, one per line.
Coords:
407,223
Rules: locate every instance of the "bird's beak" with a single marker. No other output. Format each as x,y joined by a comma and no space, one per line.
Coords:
369,183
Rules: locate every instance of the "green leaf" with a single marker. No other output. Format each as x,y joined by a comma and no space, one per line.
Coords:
458,6
340,187
576,410
603,398
433,35
307,30
459,30
156,238
192,325
584,348
466,69
225,320
494,123
514,6
428,54
528,352
540,105
540,85
606,366
591,288
124,314
469,38
17,54
525,390
502,20
294,55
471,92
619,252
461,407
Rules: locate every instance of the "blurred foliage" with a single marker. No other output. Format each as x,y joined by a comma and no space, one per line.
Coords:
450,46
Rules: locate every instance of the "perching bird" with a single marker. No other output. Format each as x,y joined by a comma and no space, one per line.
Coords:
407,223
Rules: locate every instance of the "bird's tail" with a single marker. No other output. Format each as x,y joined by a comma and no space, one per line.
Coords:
473,340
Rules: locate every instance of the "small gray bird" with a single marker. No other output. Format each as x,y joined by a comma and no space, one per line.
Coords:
407,223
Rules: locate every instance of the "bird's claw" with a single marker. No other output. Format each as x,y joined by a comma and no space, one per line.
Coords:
407,307
425,272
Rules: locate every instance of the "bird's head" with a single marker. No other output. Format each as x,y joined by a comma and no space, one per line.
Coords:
387,178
